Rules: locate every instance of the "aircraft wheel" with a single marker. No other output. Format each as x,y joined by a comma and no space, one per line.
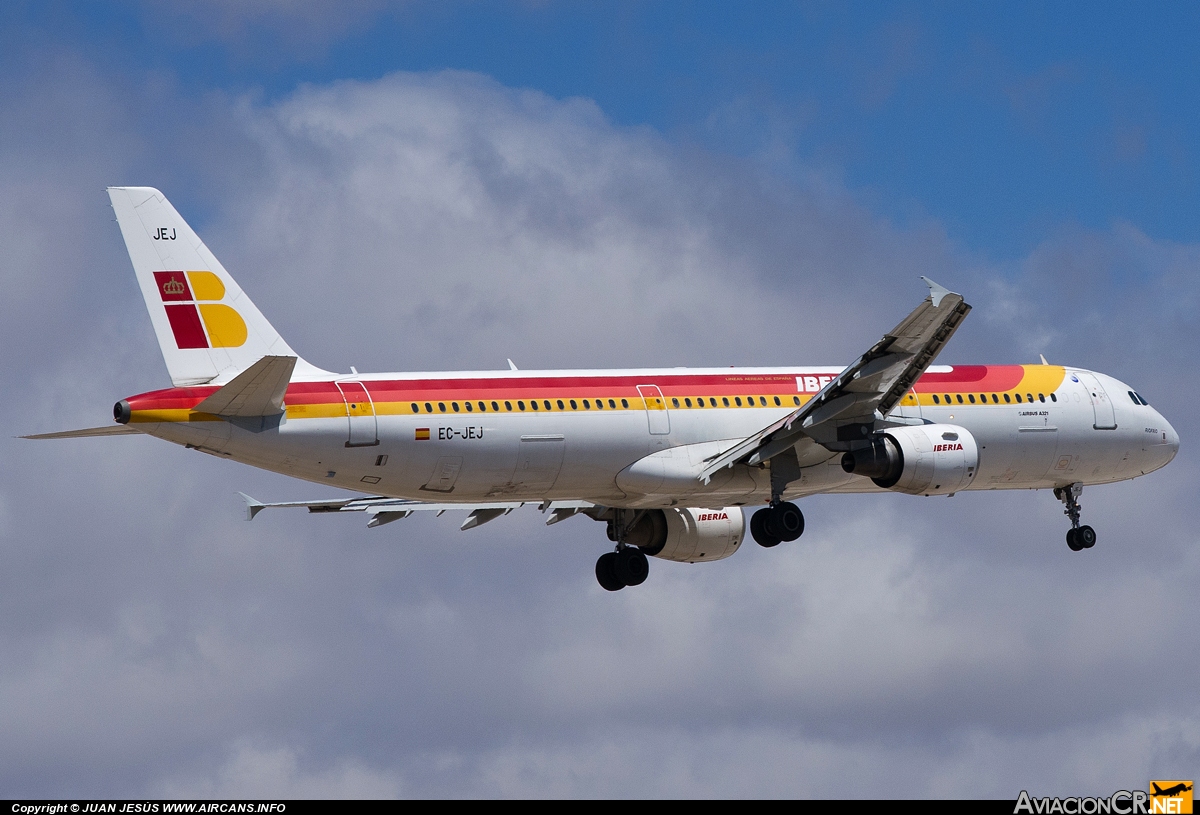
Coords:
1085,536
631,566
1073,540
786,521
606,574
759,531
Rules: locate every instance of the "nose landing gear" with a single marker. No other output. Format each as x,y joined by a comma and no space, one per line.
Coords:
1078,537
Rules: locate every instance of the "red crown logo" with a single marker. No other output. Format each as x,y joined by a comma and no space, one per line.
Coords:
173,287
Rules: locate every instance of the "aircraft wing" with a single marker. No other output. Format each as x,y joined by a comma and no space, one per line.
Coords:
846,409
385,510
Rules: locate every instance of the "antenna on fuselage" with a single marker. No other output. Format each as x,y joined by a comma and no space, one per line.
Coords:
511,365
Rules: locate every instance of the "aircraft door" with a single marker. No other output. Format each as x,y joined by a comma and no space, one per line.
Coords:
657,415
363,430
539,459
908,407
1106,419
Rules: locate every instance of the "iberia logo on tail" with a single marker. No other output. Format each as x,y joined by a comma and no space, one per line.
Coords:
197,319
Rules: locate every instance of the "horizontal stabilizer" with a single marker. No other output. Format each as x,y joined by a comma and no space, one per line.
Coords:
107,430
256,391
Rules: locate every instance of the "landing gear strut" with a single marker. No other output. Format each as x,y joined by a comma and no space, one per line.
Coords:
628,565
1078,537
782,521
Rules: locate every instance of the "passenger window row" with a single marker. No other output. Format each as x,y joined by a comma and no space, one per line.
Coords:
983,398
586,404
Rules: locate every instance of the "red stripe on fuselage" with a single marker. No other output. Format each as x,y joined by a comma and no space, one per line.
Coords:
965,378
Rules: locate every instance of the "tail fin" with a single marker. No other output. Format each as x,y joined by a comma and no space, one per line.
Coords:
207,327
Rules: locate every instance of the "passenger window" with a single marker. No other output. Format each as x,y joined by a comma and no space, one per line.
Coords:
995,399
442,407
520,405
725,401
587,404
1007,398
777,403
1018,398
1053,398
737,400
613,405
415,408
546,402
508,405
455,406
573,405
1041,397
960,399
795,400
428,408
497,407
560,404
762,400
1029,398
468,404
971,398
674,401
599,404
687,402
936,401
533,404
624,403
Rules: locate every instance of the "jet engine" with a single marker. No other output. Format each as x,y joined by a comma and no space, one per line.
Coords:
688,535
932,459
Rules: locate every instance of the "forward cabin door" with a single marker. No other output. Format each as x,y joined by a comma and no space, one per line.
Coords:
657,415
363,430
1106,419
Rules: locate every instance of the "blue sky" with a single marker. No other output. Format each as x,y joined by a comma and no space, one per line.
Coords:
441,186
1001,121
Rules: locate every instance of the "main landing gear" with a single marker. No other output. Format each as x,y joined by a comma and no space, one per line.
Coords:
782,521
628,565
1078,537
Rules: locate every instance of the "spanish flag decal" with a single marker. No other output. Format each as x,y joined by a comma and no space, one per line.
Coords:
422,434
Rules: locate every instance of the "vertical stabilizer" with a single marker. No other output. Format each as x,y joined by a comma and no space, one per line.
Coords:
208,329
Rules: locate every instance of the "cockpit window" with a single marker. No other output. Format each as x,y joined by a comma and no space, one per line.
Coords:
1137,398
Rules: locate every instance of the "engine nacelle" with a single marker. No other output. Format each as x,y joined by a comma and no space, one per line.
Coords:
932,459
689,535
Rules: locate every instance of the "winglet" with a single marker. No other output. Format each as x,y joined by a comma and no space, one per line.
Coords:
253,507
936,292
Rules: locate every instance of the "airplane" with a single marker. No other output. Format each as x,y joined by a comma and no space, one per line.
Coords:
671,460
1170,792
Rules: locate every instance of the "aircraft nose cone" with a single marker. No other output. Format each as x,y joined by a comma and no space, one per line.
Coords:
1169,445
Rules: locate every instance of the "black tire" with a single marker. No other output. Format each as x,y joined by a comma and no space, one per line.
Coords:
759,531
1073,540
631,566
606,574
785,521
1086,537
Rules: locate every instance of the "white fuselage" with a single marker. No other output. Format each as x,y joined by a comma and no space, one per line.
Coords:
646,453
